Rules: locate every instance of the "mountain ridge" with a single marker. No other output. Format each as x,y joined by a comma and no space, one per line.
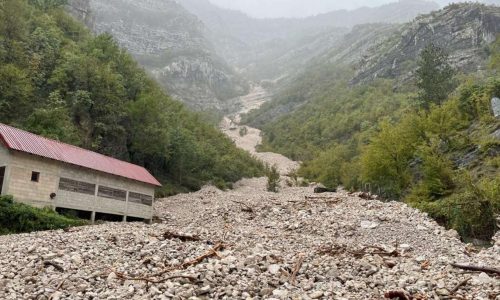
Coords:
170,44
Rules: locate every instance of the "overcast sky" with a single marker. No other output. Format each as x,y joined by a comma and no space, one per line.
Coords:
297,8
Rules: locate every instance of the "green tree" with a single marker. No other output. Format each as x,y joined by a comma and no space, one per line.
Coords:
15,93
435,76
273,179
48,4
53,121
495,55
386,160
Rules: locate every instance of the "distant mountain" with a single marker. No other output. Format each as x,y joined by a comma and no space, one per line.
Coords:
264,48
388,51
464,30
171,44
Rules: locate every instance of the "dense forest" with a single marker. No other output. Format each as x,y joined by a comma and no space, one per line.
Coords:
432,143
60,81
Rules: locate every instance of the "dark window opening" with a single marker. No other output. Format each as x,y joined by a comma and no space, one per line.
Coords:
111,193
108,217
74,213
81,187
2,174
140,198
35,176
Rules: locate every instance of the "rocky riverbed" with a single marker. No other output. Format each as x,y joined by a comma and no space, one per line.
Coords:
251,244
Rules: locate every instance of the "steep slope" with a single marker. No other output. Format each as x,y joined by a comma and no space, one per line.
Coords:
370,52
264,48
375,135
170,43
465,30
321,75
60,81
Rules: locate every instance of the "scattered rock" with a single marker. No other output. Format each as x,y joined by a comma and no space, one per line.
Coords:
260,254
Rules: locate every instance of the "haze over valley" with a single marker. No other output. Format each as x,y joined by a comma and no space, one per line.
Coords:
249,149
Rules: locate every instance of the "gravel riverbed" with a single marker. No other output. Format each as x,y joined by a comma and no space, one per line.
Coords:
251,244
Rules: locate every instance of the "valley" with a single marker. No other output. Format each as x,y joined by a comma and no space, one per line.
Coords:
394,108
249,138
248,243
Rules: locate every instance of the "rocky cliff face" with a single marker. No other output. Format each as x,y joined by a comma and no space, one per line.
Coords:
271,48
464,30
170,43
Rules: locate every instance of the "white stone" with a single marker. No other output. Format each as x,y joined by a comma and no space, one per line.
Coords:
274,269
316,295
482,279
369,224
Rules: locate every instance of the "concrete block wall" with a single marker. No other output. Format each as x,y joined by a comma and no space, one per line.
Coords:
18,183
72,200
23,189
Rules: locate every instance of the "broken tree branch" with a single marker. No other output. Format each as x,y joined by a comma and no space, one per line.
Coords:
185,238
153,278
150,280
379,251
246,207
57,289
477,269
459,285
296,268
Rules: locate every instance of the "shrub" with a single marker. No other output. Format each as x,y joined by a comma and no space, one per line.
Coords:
273,179
19,218
470,210
243,131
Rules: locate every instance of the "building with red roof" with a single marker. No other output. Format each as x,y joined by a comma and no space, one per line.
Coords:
47,173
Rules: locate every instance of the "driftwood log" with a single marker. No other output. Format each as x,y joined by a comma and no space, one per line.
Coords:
477,269
321,190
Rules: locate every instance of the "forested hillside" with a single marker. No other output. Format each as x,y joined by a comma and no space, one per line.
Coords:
60,81
171,44
430,139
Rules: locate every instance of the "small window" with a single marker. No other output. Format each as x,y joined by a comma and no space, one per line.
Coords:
35,176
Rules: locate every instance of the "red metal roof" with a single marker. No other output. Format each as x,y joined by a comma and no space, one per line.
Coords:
27,142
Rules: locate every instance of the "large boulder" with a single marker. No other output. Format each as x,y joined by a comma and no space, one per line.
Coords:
495,106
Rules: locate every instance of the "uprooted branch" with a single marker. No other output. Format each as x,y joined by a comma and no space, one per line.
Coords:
153,278
296,268
245,208
332,250
185,238
477,269
375,250
368,250
459,285
53,296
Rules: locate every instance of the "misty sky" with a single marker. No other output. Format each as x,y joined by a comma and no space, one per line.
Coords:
297,8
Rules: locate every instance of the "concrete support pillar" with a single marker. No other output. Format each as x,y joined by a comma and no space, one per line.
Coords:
92,217
126,208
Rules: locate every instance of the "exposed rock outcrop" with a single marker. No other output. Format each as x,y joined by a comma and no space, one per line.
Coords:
464,30
495,106
171,44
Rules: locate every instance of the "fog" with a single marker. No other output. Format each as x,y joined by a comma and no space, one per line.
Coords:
302,8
